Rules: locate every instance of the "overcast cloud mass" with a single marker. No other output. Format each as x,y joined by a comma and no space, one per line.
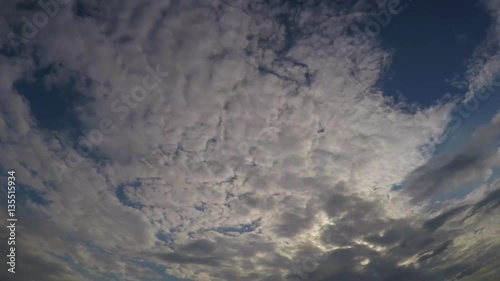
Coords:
251,140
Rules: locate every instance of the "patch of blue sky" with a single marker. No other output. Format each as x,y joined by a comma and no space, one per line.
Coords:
52,105
456,139
431,41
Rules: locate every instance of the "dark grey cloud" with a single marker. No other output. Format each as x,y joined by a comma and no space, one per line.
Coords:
448,172
198,247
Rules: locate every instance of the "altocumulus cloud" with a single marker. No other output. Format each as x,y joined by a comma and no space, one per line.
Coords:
244,186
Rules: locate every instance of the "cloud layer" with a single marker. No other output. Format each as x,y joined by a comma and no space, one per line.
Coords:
261,149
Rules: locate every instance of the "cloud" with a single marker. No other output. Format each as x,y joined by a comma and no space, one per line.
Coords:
201,246
448,172
221,173
179,258
486,205
438,221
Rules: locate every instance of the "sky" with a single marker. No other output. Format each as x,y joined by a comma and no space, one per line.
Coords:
216,140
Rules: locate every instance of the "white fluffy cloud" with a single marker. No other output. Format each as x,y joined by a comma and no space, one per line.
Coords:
221,172
484,67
